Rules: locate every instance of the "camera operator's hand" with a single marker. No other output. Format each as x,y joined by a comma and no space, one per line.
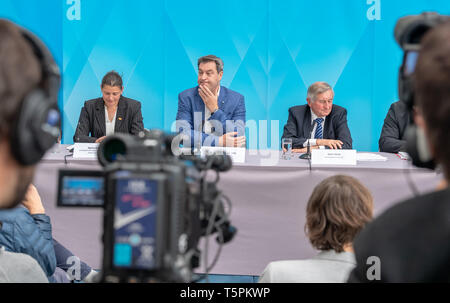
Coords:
32,201
229,140
333,144
100,139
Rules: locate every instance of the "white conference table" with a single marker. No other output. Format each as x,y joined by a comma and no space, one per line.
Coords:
268,198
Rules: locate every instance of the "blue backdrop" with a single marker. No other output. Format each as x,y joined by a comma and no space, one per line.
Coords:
273,50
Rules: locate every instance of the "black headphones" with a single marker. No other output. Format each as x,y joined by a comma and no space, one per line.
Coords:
39,124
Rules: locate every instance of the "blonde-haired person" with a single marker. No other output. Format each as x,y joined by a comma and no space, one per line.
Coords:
339,207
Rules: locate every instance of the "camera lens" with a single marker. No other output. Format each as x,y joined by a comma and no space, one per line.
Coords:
110,149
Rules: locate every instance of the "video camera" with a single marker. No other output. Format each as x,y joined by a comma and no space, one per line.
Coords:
156,206
408,33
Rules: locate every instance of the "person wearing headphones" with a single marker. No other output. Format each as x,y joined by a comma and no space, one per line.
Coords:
411,239
113,113
29,126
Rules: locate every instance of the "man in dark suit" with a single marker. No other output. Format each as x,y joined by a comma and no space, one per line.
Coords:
410,241
392,138
112,113
211,114
319,123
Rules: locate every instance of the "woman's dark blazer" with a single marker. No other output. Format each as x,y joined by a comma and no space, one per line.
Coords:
92,125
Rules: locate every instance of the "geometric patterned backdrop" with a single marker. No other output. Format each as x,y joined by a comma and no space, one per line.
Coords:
272,50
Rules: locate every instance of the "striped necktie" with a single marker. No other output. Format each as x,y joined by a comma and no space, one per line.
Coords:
319,132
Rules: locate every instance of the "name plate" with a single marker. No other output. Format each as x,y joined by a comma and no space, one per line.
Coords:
85,150
333,156
237,154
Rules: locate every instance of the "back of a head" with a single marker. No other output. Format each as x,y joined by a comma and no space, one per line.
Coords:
432,90
20,72
339,207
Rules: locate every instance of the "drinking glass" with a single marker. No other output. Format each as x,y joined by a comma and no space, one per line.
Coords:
286,143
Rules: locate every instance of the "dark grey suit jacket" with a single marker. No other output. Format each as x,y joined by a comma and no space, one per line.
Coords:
92,119
298,126
411,240
392,138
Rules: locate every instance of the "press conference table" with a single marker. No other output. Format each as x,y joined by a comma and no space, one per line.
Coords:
268,196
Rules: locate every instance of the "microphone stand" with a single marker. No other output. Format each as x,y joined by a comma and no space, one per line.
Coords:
307,155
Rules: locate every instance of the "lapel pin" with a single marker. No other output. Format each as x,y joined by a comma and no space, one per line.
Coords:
120,118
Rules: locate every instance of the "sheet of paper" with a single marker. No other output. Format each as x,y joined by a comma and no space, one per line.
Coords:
370,157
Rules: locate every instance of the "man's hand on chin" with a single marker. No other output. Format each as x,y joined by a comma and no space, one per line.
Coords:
209,98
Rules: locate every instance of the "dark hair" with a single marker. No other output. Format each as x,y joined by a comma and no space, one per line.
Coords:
337,210
211,58
112,78
20,72
432,90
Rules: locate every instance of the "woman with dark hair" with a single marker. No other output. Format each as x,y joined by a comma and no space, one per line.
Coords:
339,207
113,113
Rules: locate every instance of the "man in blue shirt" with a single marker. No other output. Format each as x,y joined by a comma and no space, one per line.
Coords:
211,114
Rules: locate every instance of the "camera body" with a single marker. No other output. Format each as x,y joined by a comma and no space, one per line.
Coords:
156,207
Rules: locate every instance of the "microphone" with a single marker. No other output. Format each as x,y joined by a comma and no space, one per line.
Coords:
307,155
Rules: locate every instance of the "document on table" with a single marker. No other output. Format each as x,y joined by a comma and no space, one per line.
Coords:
369,157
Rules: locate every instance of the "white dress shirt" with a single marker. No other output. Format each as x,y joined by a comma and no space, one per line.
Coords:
110,125
312,141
